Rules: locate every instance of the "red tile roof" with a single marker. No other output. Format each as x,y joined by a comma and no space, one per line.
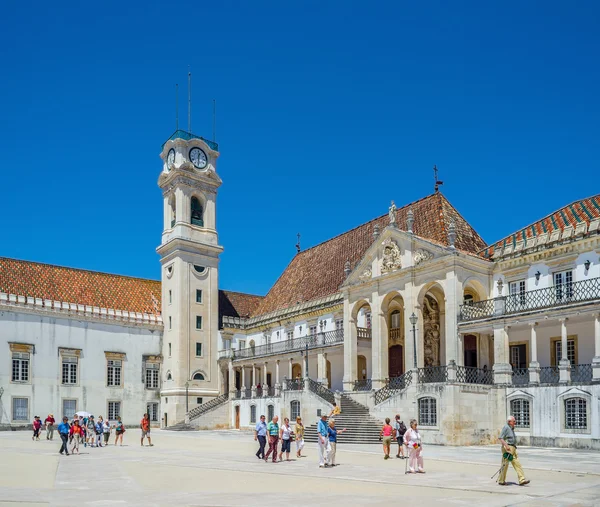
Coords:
582,211
79,286
237,304
319,271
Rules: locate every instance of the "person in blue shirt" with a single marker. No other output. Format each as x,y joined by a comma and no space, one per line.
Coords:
260,434
99,430
63,431
322,439
333,432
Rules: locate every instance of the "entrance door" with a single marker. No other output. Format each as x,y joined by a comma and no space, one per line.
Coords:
238,380
518,356
396,361
269,383
237,417
470,350
361,366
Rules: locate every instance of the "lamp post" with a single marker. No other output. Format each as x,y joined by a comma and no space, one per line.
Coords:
187,385
413,320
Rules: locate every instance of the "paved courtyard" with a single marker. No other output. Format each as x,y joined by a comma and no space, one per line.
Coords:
220,469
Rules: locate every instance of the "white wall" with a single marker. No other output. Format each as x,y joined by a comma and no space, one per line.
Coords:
45,392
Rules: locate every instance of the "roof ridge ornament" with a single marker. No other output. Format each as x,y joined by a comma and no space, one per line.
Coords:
392,214
410,220
376,231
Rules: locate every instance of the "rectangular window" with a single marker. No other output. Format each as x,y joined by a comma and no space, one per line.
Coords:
169,350
368,317
113,374
571,356
517,291
170,297
428,412
252,414
199,401
339,324
312,330
520,410
20,409
198,349
69,370
198,322
152,410
20,367
170,323
152,374
69,408
241,344
518,356
198,296
114,410
576,414
563,285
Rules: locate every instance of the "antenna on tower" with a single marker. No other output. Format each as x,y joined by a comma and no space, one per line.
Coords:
435,177
214,120
176,107
298,244
189,100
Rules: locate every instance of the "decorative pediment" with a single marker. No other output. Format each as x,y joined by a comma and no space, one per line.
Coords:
390,257
422,255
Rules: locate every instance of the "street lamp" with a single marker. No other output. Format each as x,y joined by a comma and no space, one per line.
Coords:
187,385
413,320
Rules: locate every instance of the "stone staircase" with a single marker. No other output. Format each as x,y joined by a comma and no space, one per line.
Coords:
182,426
196,414
362,427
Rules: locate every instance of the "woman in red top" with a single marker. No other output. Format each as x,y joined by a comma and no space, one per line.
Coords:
37,424
386,432
76,433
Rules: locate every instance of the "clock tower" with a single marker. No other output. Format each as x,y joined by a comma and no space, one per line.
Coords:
189,256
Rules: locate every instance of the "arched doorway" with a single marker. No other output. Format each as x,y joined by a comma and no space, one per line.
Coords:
396,361
361,362
296,371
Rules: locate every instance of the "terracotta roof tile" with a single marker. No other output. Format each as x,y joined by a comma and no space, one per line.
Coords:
237,304
319,271
584,210
79,286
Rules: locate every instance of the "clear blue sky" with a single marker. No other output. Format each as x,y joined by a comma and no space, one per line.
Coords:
326,112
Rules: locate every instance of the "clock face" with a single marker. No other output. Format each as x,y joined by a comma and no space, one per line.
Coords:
198,158
170,159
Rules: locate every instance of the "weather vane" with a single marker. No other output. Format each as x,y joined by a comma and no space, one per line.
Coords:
435,177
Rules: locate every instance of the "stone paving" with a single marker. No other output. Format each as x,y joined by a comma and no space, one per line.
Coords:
220,469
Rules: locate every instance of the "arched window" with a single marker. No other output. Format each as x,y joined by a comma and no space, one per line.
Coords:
395,320
294,410
169,376
198,376
576,414
270,412
428,412
253,414
197,212
520,410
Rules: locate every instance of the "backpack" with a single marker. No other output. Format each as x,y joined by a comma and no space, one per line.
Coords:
401,428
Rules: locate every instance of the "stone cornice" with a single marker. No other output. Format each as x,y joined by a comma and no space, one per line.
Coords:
25,304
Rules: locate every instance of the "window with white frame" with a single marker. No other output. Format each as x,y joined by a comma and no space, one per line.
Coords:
294,410
270,412
519,409
563,285
69,370
152,410
253,414
114,409
113,372
576,414
20,409
152,374
69,408
428,412
516,290
20,367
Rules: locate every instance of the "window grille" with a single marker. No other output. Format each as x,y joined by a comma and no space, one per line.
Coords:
152,373
113,377
20,367
114,409
428,412
520,410
152,410
270,412
576,414
69,370
69,408
20,408
253,414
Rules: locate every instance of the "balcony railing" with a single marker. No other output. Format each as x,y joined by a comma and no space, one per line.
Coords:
539,299
581,373
363,333
470,375
313,341
431,374
520,376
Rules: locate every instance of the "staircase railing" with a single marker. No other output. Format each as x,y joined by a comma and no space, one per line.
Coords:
320,390
393,385
296,384
208,406
363,385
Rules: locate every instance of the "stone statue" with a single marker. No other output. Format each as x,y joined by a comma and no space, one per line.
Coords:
391,257
392,214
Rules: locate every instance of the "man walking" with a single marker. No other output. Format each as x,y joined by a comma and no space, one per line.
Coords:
322,439
509,453
400,428
145,425
49,422
260,434
273,431
63,431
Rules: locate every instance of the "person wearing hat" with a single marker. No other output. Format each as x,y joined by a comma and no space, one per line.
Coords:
322,439
49,422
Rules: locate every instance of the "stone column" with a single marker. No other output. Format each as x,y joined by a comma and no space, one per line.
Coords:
231,376
277,384
502,368
243,382
378,348
534,366
564,365
322,369
253,380
290,369
265,388
454,296
460,359
596,360
350,349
